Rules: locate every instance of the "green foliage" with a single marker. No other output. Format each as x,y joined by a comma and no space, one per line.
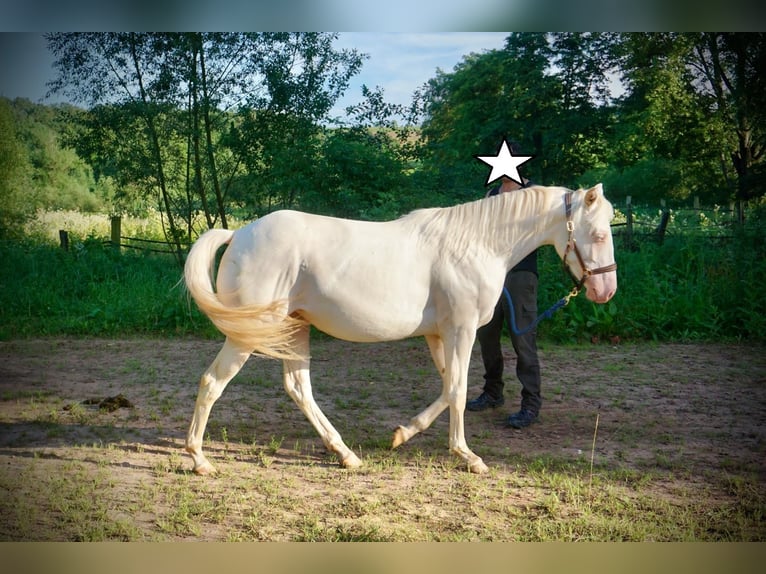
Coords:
500,93
649,179
697,99
364,176
688,288
689,123
91,290
180,121
558,114
160,134
54,176
37,170
15,208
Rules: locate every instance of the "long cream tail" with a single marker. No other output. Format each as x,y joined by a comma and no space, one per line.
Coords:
264,328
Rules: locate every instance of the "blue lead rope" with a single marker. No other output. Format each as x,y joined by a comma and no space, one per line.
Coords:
545,315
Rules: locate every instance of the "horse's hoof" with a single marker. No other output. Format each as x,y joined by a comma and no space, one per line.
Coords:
204,469
351,462
398,437
478,467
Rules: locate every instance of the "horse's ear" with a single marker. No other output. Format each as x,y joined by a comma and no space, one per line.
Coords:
593,194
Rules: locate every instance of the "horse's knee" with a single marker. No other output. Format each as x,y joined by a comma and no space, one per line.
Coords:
210,389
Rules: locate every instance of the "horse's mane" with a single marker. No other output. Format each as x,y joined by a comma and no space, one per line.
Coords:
478,224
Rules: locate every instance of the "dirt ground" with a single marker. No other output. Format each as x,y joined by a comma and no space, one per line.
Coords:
691,414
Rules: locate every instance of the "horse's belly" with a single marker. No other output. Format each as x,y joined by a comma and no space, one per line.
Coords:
375,323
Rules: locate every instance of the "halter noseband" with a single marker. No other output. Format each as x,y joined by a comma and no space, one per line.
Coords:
572,246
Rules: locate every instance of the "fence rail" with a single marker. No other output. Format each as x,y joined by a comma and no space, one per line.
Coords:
641,223
119,241
652,223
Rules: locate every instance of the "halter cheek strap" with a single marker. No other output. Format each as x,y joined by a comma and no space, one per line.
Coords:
572,247
564,301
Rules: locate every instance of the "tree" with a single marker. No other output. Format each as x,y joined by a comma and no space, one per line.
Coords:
278,134
732,67
487,97
160,104
131,73
15,208
695,101
582,62
549,92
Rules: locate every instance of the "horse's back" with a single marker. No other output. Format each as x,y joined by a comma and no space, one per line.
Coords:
289,237
356,280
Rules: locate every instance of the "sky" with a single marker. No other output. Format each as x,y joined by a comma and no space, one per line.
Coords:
398,62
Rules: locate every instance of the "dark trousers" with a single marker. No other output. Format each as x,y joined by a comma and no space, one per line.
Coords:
522,286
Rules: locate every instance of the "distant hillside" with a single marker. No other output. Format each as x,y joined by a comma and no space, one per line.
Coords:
47,174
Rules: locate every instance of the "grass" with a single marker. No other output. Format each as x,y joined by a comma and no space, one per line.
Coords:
540,498
256,502
91,291
689,288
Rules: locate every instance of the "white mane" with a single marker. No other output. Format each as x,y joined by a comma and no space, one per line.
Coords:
494,221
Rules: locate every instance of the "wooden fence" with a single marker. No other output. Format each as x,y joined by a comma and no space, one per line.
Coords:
644,223
119,241
641,223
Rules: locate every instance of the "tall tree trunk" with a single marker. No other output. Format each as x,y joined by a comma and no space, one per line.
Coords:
195,111
209,138
157,153
733,81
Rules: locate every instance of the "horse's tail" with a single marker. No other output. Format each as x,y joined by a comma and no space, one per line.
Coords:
264,328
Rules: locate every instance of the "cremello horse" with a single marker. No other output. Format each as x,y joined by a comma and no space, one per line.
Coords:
434,272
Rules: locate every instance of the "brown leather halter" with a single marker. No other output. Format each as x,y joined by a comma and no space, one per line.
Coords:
572,247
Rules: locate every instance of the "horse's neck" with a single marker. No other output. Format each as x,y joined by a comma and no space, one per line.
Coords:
524,220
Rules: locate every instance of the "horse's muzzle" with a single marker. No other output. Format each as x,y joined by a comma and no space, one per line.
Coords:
602,287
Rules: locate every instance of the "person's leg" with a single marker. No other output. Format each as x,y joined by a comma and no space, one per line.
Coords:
492,357
523,288
492,353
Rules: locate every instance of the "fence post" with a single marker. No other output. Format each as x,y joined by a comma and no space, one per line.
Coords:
116,231
628,222
663,227
64,239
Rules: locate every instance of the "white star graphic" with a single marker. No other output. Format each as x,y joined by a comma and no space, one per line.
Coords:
504,163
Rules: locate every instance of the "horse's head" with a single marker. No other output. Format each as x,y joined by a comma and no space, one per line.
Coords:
588,250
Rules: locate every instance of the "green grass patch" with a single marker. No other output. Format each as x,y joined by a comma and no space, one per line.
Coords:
92,290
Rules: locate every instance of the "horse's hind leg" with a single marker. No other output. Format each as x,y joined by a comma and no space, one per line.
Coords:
298,385
229,361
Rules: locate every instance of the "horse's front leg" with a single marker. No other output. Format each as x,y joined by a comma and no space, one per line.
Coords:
423,420
457,358
451,359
